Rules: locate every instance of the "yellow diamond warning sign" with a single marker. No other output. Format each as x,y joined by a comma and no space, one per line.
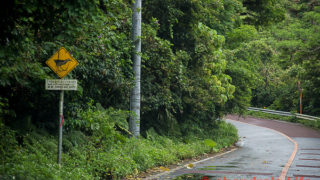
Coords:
62,62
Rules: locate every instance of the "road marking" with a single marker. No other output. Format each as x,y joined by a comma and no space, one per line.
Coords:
225,172
307,166
285,169
303,175
214,156
309,159
180,167
309,154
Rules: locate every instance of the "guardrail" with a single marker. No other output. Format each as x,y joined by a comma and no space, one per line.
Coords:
283,113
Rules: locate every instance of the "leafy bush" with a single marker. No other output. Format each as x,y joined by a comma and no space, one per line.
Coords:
103,151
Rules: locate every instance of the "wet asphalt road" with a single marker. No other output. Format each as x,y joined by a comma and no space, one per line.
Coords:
263,154
307,161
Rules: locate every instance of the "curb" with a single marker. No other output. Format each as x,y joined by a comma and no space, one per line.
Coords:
180,167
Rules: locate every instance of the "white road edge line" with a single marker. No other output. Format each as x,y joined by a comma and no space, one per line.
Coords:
180,167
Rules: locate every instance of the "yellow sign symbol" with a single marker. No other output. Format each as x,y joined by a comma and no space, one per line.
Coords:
62,62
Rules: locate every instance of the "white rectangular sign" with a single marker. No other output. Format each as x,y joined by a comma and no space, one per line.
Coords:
61,84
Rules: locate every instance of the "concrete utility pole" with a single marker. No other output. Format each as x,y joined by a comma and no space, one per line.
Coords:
134,123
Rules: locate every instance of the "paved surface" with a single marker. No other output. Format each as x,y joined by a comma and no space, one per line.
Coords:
307,160
290,129
263,154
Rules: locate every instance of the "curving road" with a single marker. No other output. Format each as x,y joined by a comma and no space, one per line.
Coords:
306,162
269,150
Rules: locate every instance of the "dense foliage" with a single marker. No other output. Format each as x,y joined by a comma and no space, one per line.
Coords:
295,58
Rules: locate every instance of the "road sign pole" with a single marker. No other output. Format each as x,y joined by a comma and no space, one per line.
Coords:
61,63
60,125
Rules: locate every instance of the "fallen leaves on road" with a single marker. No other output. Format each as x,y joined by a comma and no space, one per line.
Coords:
164,168
190,166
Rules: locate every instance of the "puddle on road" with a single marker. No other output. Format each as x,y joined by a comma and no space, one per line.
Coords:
212,168
234,163
194,177
198,176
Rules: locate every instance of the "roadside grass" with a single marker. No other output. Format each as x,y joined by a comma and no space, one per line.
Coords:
308,123
95,149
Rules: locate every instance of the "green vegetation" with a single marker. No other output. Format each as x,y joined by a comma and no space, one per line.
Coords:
200,61
95,149
293,57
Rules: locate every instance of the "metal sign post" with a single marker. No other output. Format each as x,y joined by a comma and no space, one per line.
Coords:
62,85
61,63
61,125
